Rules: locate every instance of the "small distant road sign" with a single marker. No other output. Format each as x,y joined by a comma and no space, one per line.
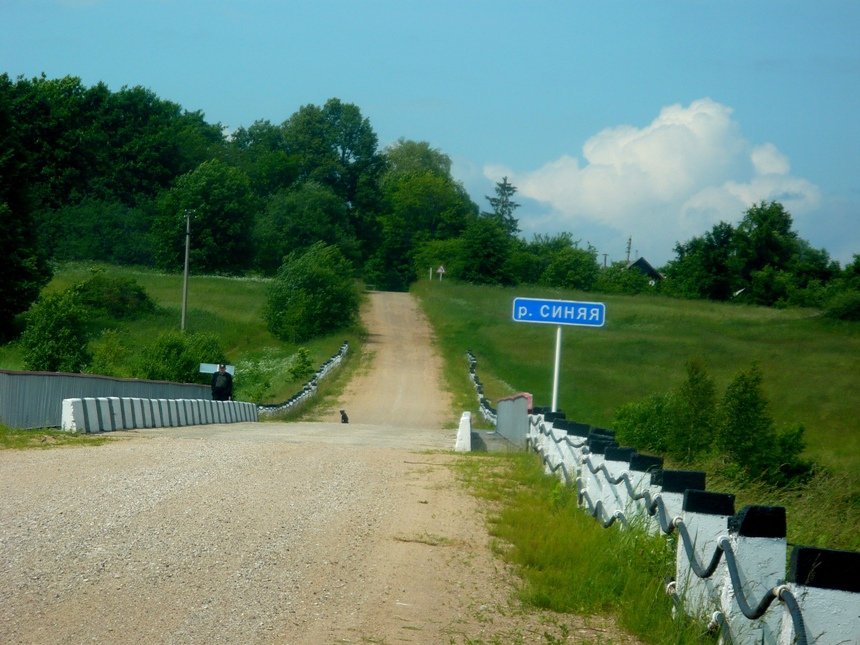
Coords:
559,312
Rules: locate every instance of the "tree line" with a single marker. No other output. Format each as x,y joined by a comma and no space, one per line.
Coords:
90,173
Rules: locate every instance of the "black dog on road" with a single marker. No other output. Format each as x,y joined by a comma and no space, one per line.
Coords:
343,417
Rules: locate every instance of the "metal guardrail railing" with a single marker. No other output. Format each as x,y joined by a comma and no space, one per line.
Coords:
654,505
309,388
487,410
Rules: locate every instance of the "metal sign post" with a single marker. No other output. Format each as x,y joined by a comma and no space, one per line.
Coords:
559,312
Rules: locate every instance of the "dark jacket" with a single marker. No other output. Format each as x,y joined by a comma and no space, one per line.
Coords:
222,386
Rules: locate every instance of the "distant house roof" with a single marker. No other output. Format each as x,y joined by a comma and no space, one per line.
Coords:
642,265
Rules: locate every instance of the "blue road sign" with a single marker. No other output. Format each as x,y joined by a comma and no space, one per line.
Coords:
559,312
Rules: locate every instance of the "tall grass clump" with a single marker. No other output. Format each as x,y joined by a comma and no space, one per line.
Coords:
568,562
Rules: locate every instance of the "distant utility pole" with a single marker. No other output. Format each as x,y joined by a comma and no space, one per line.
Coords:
185,275
629,243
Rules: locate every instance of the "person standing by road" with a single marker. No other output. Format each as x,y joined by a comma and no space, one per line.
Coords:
222,384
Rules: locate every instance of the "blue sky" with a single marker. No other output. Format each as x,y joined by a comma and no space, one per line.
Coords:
614,119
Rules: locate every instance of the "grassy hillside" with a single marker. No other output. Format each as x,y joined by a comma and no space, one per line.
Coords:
230,308
811,366
811,370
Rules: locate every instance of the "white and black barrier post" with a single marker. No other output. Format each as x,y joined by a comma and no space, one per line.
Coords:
705,518
758,548
825,584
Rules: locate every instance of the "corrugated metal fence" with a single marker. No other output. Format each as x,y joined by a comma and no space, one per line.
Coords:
35,399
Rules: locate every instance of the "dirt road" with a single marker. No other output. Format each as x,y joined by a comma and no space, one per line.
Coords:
268,533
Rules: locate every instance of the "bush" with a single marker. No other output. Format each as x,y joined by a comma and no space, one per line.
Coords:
110,355
844,306
617,278
176,357
747,438
301,366
677,424
116,297
313,294
692,413
572,268
644,424
686,423
55,338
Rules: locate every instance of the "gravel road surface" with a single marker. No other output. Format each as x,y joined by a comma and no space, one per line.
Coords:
270,532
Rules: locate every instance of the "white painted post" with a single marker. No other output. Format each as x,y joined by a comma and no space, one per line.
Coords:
463,442
556,369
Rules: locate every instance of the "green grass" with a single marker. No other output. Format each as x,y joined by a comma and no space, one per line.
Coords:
229,308
567,561
811,369
14,439
811,366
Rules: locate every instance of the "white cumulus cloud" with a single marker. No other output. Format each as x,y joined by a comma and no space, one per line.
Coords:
674,178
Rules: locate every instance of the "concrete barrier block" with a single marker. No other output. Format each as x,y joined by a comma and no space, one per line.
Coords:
173,407
205,411
220,416
757,541
156,413
827,589
73,415
190,412
463,442
128,421
182,407
105,415
164,407
136,412
91,415
142,416
117,419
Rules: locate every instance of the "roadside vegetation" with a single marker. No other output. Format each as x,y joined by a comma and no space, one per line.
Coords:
225,321
738,357
792,371
567,562
15,439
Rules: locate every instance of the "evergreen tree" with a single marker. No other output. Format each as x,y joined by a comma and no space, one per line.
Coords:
504,207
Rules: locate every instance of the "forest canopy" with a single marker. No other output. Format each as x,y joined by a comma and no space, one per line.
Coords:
87,173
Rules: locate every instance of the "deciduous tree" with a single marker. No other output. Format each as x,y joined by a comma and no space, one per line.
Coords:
313,294
221,205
